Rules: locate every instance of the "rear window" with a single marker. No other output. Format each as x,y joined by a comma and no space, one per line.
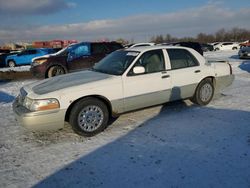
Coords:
180,58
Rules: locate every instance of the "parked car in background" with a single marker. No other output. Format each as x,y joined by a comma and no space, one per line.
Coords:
4,51
194,45
125,80
214,43
72,58
3,57
24,57
245,43
140,44
226,46
207,47
244,52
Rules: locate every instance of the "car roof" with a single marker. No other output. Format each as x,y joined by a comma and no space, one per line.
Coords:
147,48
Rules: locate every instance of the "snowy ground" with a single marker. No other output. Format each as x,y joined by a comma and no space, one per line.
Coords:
16,69
175,145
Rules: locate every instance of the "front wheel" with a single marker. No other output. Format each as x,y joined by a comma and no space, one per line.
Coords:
11,63
204,92
89,117
55,71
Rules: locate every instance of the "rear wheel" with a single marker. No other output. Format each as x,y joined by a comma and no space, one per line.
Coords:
204,92
234,48
55,71
11,63
89,117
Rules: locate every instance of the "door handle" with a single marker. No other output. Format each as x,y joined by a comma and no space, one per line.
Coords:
165,76
197,71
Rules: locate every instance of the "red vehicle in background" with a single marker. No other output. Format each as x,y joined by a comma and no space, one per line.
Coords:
246,43
53,43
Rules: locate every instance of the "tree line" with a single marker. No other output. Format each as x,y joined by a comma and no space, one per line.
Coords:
222,35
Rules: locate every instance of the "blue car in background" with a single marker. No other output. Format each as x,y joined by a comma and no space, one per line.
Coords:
25,57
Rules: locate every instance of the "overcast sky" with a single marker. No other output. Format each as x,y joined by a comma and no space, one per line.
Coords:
138,20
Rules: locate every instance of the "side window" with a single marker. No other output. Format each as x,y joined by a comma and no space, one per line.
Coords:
30,52
152,61
113,46
79,51
180,58
98,48
26,52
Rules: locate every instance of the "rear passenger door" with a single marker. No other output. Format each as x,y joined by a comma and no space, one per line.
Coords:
32,53
185,73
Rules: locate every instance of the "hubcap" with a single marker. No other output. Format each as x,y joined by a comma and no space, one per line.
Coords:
57,71
206,92
11,64
90,118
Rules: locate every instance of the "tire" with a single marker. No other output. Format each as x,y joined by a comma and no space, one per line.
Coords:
89,117
234,48
11,63
216,49
55,71
204,92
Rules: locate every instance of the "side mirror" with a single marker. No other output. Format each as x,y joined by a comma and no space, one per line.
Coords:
138,70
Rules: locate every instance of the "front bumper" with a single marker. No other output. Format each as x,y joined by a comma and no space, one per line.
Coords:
39,121
38,71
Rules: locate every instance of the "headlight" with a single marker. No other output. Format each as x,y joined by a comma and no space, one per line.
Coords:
39,62
41,104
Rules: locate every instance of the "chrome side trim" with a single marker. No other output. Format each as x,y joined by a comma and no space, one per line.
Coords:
151,99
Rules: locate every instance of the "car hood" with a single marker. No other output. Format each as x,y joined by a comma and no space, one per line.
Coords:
68,80
48,56
43,56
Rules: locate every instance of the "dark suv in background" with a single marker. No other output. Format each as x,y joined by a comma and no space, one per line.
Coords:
72,58
195,45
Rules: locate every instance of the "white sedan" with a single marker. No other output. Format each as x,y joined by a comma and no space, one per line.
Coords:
125,80
226,46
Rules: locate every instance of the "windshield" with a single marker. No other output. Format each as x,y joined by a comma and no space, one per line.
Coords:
62,52
116,63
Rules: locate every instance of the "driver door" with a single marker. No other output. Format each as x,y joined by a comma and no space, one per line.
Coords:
150,88
79,57
21,57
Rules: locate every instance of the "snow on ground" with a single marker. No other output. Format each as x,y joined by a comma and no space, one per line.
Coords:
16,69
175,145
